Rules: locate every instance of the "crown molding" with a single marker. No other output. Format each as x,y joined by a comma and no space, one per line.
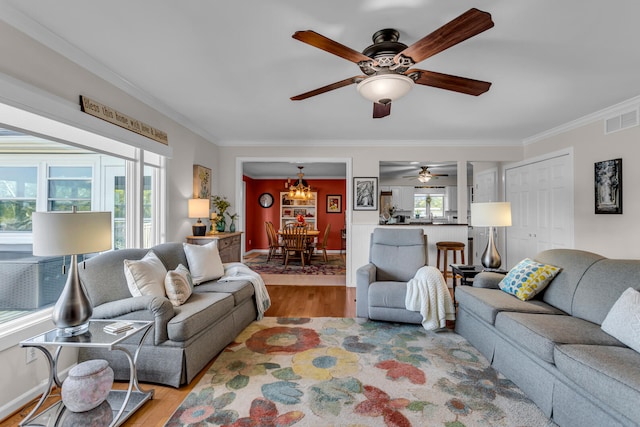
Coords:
373,143
603,114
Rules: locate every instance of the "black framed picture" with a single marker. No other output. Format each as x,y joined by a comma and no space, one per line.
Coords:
608,186
365,194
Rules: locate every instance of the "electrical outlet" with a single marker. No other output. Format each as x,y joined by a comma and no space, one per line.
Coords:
249,241
31,354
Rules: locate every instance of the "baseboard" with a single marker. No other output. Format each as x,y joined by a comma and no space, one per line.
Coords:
11,408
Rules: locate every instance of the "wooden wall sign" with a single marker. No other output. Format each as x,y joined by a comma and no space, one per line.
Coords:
110,115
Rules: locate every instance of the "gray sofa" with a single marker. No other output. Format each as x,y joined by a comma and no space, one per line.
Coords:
552,346
395,255
184,338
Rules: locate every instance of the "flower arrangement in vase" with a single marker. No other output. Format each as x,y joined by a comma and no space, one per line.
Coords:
221,204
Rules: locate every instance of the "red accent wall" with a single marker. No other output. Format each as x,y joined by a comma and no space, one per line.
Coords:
255,234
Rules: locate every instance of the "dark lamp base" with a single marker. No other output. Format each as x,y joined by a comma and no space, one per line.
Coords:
199,230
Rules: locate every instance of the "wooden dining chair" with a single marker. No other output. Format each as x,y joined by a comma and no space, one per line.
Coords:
322,246
295,243
274,242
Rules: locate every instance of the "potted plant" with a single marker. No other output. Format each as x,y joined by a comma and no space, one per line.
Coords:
221,204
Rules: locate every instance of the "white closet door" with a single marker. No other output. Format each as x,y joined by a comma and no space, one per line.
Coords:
541,196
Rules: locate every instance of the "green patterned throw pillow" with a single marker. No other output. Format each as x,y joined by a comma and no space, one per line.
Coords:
528,278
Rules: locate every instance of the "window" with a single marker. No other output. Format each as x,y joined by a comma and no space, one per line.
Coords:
55,177
18,191
69,186
435,202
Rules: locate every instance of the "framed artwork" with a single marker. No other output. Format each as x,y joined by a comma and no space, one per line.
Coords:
608,187
201,182
334,203
365,194
298,211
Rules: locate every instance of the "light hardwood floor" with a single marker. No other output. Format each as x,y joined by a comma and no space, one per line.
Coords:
286,301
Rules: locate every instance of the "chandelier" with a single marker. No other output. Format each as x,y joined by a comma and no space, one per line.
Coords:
299,191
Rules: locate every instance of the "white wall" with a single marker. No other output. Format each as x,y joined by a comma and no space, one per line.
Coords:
64,81
613,236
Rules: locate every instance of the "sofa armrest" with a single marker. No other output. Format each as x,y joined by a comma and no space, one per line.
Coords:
365,275
487,279
158,309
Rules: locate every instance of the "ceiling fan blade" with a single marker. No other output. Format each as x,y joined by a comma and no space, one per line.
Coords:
381,110
321,42
327,88
449,82
469,24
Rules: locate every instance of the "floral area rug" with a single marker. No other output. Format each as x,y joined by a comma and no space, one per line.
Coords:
334,266
352,372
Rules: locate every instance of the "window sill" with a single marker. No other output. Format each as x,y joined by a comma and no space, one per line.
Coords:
14,331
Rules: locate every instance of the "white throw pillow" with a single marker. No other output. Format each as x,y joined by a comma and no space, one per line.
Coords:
145,276
178,285
204,262
623,320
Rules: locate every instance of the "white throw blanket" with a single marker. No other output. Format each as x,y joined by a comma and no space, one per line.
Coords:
427,293
239,271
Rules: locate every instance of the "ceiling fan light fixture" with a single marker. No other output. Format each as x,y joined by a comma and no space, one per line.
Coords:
424,178
385,88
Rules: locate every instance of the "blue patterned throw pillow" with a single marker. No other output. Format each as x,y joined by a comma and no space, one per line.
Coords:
528,278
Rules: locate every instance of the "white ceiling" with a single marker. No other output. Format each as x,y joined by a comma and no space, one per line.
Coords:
227,69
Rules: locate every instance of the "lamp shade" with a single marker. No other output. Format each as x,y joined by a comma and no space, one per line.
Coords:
199,208
70,233
385,88
494,214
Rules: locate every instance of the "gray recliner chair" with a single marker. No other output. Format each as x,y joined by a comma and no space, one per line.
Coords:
395,255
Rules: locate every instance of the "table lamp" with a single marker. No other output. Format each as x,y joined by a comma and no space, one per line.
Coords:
494,214
71,233
199,208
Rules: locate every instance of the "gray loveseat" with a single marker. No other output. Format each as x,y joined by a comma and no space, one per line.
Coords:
552,346
395,255
184,339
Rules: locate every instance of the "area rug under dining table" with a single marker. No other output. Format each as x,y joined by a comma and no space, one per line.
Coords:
335,265
352,372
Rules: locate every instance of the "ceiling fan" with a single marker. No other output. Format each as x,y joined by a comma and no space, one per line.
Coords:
424,175
387,62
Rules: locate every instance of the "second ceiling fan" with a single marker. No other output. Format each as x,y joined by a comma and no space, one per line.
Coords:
387,62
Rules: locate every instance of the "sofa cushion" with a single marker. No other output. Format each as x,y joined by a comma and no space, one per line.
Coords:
574,264
204,262
200,312
145,276
609,373
487,303
387,294
178,285
601,287
528,278
540,333
240,289
623,320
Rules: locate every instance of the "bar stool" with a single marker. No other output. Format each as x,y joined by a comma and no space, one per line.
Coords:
445,247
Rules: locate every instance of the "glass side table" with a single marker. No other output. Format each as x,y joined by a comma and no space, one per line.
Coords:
123,402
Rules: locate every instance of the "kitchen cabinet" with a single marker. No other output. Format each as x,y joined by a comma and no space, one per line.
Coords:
403,198
451,198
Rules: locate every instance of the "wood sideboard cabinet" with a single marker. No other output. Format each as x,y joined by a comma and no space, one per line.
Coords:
228,244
